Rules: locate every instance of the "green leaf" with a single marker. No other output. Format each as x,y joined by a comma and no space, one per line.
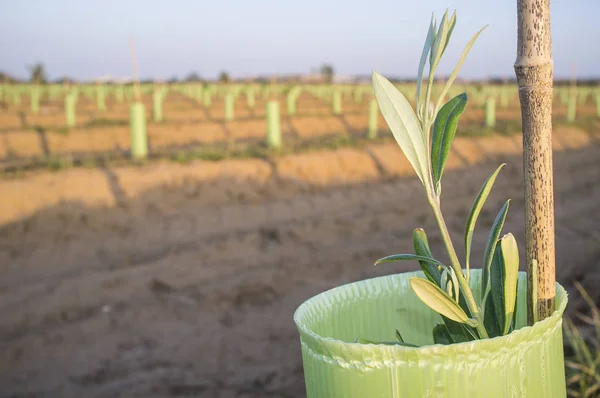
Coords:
474,214
436,299
461,61
490,320
444,129
504,278
440,42
431,270
367,341
404,124
441,335
490,247
426,48
451,26
398,257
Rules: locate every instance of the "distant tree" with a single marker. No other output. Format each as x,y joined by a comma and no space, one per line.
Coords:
224,77
327,72
173,79
193,77
38,73
6,78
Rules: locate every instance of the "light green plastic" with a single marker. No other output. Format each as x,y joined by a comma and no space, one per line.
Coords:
528,362
70,114
598,104
250,98
273,125
139,139
337,103
229,101
100,102
490,112
157,105
35,100
373,119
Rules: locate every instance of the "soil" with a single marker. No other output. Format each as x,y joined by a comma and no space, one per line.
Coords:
172,280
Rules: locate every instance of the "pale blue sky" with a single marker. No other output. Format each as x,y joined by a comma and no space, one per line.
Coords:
87,39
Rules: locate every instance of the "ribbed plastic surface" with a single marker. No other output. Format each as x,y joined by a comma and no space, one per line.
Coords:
527,363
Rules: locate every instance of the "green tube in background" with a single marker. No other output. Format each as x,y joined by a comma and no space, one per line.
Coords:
291,104
273,125
373,119
337,103
229,105
572,108
207,99
597,104
157,105
100,98
529,362
250,98
490,112
70,113
137,123
35,100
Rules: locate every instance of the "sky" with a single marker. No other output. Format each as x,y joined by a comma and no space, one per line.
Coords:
86,39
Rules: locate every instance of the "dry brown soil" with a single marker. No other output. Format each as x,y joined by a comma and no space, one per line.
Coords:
182,280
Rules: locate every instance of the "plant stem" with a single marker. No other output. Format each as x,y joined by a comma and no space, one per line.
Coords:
462,282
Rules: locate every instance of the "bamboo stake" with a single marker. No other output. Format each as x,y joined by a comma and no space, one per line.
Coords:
534,70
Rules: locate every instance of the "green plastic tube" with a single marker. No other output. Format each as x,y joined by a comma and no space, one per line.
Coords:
139,139
157,106
35,100
572,108
373,119
291,104
273,125
100,102
207,99
70,113
490,112
337,103
250,100
529,362
229,106
597,104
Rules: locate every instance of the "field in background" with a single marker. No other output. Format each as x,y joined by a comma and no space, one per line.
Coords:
196,124
179,276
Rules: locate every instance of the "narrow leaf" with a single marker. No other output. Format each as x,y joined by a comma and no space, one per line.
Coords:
399,257
444,130
510,257
426,48
490,247
496,295
436,299
450,30
404,124
474,214
440,42
441,335
431,270
461,61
